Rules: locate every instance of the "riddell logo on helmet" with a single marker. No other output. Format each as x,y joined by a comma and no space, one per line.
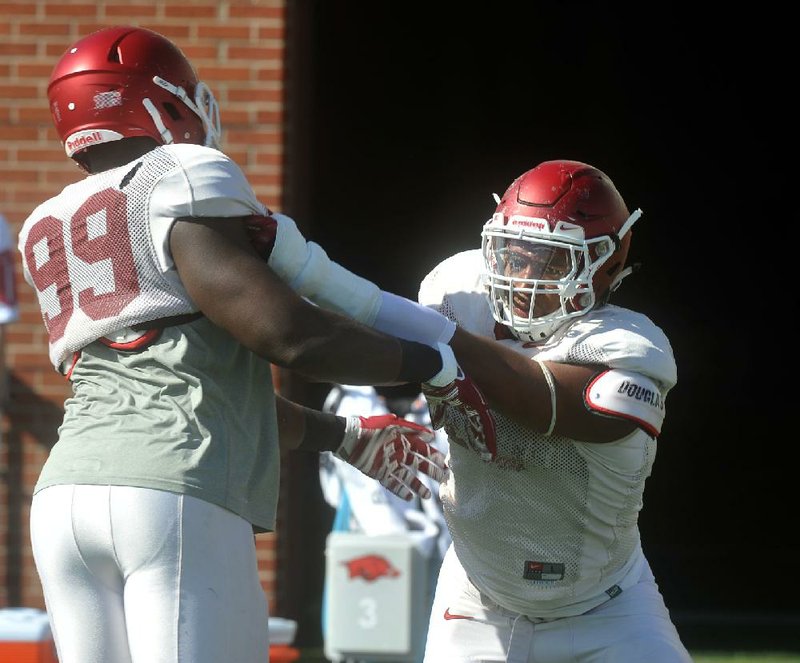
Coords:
83,139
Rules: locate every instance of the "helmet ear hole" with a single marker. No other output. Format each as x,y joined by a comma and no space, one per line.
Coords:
172,110
613,269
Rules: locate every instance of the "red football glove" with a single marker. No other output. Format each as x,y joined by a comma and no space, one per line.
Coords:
463,395
393,451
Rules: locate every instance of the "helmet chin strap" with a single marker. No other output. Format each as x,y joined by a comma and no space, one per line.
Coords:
542,331
633,218
166,134
631,269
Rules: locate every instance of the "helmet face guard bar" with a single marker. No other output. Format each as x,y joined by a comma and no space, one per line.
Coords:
204,105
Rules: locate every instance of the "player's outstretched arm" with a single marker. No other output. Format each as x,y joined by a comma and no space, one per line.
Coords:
393,451
546,397
307,269
238,291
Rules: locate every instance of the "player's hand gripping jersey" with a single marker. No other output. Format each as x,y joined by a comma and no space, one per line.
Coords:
532,553
97,253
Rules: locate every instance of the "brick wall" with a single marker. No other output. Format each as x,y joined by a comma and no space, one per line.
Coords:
237,48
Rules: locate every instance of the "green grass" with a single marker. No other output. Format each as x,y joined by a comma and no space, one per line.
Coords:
744,657
316,656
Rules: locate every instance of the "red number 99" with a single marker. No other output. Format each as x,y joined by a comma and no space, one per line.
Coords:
98,232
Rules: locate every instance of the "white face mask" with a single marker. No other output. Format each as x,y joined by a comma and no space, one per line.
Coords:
539,279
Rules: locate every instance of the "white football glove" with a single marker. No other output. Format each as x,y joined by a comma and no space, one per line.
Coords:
393,451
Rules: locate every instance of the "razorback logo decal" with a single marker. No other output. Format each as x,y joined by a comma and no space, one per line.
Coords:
370,568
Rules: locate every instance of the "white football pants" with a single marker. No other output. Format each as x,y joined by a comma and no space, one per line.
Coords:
132,575
465,627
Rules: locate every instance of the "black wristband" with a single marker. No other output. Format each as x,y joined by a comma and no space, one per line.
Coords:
420,362
323,431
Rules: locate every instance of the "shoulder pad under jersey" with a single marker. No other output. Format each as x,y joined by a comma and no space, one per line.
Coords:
204,183
628,395
208,183
618,338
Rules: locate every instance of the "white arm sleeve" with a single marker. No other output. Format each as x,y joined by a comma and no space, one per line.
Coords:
401,317
307,269
290,251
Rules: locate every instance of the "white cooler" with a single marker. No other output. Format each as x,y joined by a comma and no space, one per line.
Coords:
376,598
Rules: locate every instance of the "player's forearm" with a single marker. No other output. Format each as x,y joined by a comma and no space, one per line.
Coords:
334,349
236,290
511,383
518,387
303,429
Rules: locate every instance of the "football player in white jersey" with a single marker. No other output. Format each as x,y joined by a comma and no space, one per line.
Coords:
167,322
546,564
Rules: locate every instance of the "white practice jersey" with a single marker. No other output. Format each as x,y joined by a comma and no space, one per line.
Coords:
550,527
97,254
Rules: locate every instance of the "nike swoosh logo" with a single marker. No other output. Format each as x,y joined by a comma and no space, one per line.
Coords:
450,615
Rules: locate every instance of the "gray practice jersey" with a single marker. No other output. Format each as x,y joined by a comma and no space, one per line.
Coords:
549,528
194,411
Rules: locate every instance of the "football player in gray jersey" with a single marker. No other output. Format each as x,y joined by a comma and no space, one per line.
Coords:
167,321
546,564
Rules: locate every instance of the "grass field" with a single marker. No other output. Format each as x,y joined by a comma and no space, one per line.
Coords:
317,656
744,657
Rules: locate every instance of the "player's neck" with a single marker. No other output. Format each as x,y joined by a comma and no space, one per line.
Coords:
106,156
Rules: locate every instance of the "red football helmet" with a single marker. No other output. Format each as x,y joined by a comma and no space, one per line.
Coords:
555,247
123,82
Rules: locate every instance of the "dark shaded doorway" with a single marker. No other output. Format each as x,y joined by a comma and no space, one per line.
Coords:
409,117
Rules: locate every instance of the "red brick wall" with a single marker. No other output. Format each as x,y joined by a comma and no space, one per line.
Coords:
237,48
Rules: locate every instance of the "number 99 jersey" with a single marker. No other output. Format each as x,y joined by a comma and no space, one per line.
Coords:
97,254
